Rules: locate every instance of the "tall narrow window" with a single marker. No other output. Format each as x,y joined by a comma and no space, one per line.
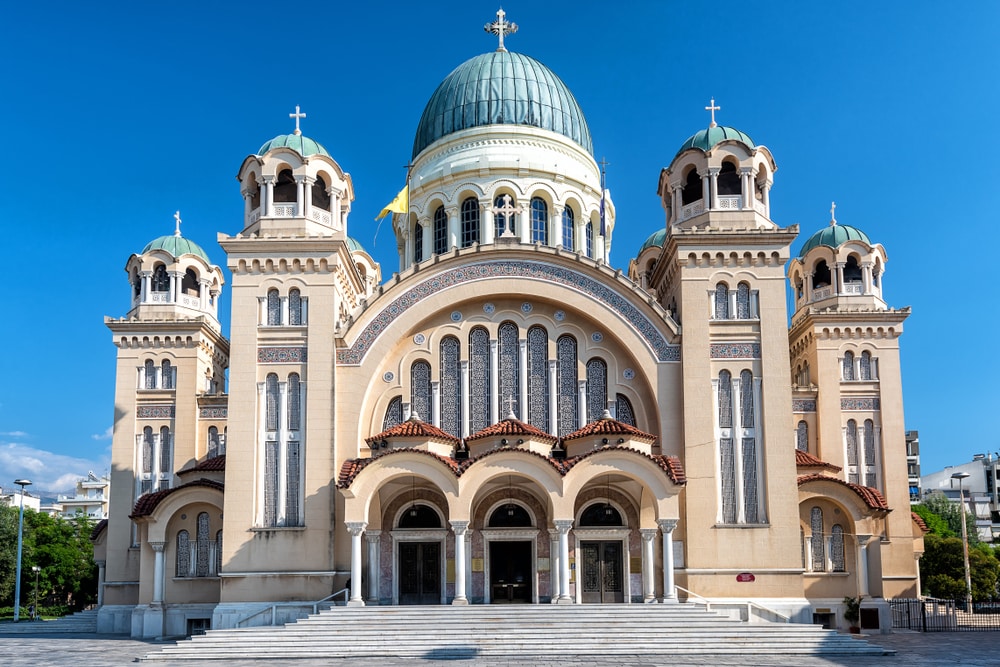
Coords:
271,483
722,301
866,366
818,546
393,414
149,370
848,365
623,408
213,442
727,453
802,436
567,383
273,308
743,301
500,220
440,230
470,222
837,548
451,387
597,389
294,402
480,383
166,375
218,552
418,243
271,402
147,450
568,229
510,375
420,389
871,469
293,468
320,194
588,234
166,459
853,475
539,221
183,554
203,541
538,378
294,307
749,446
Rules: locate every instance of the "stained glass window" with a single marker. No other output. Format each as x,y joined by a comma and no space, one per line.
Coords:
420,389
470,222
201,569
292,476
440,230
166,375
294,307
271,402
393,414
597,389
147,450
451,387
294,402
750,500
270,483
722,301
149,370
802,436
870,454
538,378
567,383
479,379
539,221
866,365
569,229
725,399
183,554
837,548
848,365
589,239
213,442
510,376
746,400
743,301
852,451
624,411
273,308
818,547
499,219
728,469
418,243
165,457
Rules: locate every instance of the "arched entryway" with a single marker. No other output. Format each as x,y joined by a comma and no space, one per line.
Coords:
420,556
511,555
603,539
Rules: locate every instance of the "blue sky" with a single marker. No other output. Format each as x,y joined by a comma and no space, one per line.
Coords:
118,114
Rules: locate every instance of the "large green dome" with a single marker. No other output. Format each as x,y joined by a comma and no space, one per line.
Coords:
176,246
501,88
298,142
710,137
833,236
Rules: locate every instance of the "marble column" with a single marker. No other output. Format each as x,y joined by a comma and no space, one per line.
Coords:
100,582
374,539
158,572
863,564
667,528
357,529
554,571
564,526
460,528
648,585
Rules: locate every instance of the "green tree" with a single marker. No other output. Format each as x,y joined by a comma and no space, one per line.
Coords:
935,524
937,503
942,569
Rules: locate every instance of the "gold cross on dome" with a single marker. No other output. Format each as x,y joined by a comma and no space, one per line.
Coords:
177,228
297,116
712,108
501,27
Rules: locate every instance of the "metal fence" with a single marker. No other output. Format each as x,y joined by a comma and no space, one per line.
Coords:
934,615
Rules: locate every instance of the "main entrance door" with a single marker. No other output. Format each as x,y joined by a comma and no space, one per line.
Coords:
510,572
419,573
603,577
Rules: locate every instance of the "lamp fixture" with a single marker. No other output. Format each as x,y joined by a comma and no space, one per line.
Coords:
413,497
604,441
621,441
510,498
503,441
608,509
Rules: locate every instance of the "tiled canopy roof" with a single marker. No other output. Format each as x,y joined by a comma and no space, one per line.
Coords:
511,426
98,529
214,464
148,503
873,498
919,520
807,460
609,427
413,428
352,467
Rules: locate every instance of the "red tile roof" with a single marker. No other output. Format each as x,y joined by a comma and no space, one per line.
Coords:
609,427
147,503
555,463
807,460
352,467
872,497
98,529
669,464
919,520
413,428
214,464
511,426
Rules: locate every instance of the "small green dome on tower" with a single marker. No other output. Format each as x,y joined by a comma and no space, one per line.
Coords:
300,143
655,239
833,236
710,137
176,245
352,244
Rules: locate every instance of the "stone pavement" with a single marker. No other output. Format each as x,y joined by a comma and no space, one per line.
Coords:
913,649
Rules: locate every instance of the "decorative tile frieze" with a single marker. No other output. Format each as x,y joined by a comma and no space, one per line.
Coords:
154,412
281,355
213,413
803,405
861,403
519,269
735,350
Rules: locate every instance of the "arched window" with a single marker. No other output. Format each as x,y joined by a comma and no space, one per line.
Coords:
161,281
284,188
802,436
743,301
871,477
294,307
818,546
821,275
569,229
166,375
419,516
597,389
320,194
294,402
480,382
420,389
853,476
538,378
729,180
470,222
722,301
601,514
876,272
273,308
203,541
848,365
418,243
254,190
692,191
748,444
293,474
189,283
500,220
852,272
213,442
539,221
147,450
623,410
271,402
567,384
588,239
440,230
866,365
451,386
510,515
166,458
393,414
837,548
727,453
183,554
218,552
510,372
149,373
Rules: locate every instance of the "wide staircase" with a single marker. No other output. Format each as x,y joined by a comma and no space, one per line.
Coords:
82,622
451,633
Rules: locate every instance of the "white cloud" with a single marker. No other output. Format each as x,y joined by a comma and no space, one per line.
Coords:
104,436
49,472
14,434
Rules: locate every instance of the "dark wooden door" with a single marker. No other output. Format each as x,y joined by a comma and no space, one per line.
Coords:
419,573
603,575
510,572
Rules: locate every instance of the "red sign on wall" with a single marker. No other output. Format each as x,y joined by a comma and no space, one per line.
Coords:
744,577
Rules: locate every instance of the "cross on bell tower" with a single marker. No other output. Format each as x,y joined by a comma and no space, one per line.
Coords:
177,227
833,208
712,108
501,27
297,116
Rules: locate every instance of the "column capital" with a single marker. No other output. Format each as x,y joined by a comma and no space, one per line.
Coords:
451,210
100,563
746,170
863,540
373,535
667,525
356,527
563,525
157,546
648,534
459,527
714,171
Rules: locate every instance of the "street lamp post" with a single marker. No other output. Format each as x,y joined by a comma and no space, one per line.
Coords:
961,476
34,613
20,539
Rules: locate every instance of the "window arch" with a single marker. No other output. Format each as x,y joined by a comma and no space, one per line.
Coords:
160,281
480,381
149,371
284,188
500,220
510,372
568,229
692,191
510,515
538,378
451,386
588,239
183,553
393,413
294,307
320,194
818,546
601,514
470,221
440,230
743,301
271,402
166,375
849,365
623,410
566,351
729,180
871,455
420,389
420,516
539,221
597,388
722,301
802,436
418,243
866,366
273,308
189,283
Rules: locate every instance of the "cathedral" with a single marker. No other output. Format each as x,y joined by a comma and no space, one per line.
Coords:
508,419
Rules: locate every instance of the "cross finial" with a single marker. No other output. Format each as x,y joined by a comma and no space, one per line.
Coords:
501,27
712,108
177,228
510,407
833,208
507,210
297,116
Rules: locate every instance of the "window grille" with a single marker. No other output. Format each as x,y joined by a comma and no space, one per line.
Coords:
294,307
183,554
818,547
147,450
270,483
852,452
149,370
538,380
837,548
166,375
470,222
293,467
866,366
213,442
165,458
420,389
418,243
510,375
751,503
725,399
273,308
539,221
624,411
271,399
451,386
294,402
440,230
802,436
848,365
589,239
743,301
746,400
393,414
203,542
870,454
479,379
728,469
569,229
722,301
567,383
218,552
597,389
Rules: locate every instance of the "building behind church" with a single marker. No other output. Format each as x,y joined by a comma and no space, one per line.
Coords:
509,418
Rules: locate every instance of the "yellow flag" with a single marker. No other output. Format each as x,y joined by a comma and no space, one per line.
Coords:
401,204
